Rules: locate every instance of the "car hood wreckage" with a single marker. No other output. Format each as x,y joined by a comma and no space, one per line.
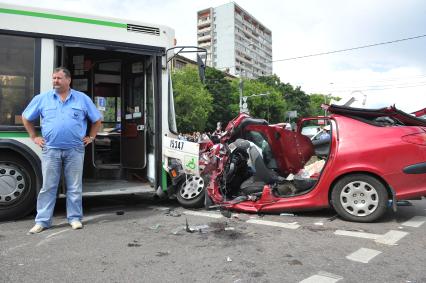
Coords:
371,159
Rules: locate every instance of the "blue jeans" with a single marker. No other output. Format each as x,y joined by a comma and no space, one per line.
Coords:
53,160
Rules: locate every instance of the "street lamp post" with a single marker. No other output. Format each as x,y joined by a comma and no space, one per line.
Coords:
244,98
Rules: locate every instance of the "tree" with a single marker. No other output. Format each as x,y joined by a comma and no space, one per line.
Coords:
296,99
270,107
193,102
315,104
220,89
315,101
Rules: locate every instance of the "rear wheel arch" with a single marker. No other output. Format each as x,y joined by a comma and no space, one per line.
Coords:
338,178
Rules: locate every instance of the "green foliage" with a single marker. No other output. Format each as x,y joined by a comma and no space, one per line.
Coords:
199,107
193,103
316,100
296,99
271,107
315,104
224,103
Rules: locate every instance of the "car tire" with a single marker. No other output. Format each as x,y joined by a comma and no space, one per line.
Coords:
359,198
191,192
17,187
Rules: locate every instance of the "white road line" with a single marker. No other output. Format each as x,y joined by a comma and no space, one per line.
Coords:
57,233
162,208
416,221
85,219
293,225
322,277
357,234
4,253
391,237
50,237
204,214
363,255
92,217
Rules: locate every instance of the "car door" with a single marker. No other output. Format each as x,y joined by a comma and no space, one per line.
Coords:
290,150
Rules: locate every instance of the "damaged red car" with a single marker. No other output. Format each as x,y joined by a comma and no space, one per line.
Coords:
360,163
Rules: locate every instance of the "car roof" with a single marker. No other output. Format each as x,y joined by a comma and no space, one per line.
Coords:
363,113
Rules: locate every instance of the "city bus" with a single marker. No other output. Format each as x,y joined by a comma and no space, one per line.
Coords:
122,65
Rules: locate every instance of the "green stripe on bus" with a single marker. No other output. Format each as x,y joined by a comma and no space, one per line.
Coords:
14,135
164,179
62,18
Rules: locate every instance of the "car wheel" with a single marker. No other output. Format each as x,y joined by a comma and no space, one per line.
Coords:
17,187
191,192
359,198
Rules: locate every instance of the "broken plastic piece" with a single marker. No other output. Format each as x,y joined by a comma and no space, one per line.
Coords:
155,227
187,229
173,213
287,214
403,203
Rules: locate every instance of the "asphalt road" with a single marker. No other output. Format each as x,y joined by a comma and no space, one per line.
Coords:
137,239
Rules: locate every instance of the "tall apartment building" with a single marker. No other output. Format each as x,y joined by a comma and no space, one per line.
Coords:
235,41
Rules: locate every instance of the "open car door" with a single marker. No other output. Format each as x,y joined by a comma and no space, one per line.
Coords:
283,150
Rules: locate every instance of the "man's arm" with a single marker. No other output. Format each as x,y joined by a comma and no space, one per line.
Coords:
29,126
94,128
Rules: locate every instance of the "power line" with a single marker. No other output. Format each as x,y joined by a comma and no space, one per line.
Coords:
394,79
341,50
393,85
383,88
350,49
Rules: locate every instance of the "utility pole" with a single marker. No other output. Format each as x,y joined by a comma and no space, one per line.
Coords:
241,94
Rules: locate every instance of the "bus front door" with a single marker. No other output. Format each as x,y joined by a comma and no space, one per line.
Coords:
133,134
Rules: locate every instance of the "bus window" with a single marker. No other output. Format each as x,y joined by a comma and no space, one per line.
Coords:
16,77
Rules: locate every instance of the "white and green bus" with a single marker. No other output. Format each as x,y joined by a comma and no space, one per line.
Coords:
122,65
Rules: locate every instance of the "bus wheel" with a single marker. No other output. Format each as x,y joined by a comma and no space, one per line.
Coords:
191,192
17,187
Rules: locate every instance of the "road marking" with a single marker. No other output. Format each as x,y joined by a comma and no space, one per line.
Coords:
322,277
416,221
92,217
363,255
85,219
50,237
57,233
205,214
293,225
391,237
4,253
357,234
162,208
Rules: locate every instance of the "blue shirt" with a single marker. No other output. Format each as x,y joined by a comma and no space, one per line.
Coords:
63,124
325,136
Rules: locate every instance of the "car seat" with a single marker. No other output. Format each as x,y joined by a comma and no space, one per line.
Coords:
262,176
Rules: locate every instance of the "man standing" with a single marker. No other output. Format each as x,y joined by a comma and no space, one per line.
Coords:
64,114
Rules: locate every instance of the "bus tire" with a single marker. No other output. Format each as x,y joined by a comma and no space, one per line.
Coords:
191,192
17,187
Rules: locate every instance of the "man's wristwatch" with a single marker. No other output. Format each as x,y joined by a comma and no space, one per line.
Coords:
91,138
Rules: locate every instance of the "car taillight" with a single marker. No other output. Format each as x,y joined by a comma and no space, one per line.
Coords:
419,138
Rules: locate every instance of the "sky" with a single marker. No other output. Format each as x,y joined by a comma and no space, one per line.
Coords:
381,75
